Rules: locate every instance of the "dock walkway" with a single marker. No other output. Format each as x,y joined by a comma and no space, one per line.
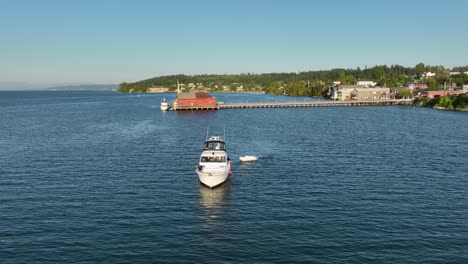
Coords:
314,104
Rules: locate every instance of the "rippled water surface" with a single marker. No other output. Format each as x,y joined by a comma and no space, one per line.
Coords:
98,177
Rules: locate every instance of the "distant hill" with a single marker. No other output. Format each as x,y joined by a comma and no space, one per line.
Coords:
87,87
20,86
304,83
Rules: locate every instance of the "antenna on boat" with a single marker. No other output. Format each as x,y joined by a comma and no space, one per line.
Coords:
224,136
178,87
206,138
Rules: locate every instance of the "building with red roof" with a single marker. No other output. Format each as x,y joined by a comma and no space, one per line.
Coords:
195,101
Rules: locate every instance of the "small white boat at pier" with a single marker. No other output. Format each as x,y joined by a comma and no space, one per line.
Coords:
214,165
164,104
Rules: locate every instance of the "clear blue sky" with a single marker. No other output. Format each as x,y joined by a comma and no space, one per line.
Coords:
55,42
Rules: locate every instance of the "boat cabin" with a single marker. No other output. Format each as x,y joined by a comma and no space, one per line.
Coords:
214,143
213,159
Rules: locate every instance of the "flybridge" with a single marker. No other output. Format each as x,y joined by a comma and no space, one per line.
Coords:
214,143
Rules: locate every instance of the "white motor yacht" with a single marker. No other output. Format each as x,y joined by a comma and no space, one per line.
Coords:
214,165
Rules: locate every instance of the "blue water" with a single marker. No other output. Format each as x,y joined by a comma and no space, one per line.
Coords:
100,177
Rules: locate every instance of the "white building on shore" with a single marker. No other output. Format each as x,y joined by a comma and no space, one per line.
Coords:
358,93
366,83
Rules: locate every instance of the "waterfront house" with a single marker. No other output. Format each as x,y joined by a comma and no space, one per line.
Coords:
355,92
417,85
194,101
157,90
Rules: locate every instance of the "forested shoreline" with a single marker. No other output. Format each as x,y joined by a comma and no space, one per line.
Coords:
309,83
457,103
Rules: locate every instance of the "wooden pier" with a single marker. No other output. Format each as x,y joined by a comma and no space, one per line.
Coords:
314,104
196,107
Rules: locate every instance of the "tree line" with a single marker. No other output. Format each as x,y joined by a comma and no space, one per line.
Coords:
451,102
309,83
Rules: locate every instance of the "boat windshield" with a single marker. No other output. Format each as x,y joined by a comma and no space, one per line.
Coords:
213,159
214,145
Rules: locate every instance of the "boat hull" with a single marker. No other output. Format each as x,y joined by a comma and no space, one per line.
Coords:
214,178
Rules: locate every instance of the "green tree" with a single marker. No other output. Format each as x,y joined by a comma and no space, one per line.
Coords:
391,83
419,69
405,93
378,73
445,102
432,84
461,102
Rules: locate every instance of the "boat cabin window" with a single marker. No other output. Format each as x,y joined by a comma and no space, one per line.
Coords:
214,145
213,159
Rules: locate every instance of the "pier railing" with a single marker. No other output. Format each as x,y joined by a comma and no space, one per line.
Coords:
314,104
